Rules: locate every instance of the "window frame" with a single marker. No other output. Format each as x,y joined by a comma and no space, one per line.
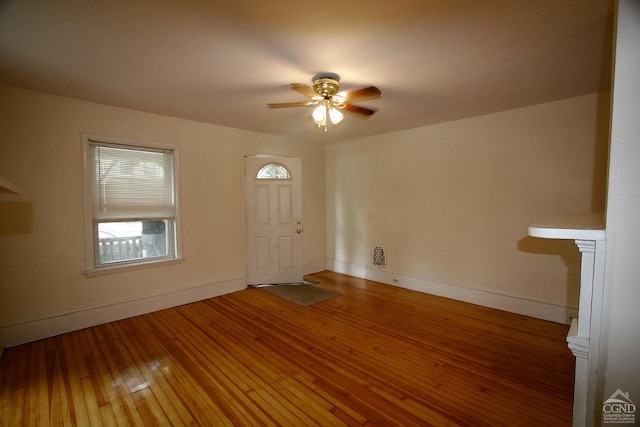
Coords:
93,266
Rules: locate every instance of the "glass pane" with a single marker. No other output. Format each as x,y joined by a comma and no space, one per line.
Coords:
128,241
273,171
154,239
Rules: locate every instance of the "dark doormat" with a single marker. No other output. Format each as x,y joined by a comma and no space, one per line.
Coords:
301,294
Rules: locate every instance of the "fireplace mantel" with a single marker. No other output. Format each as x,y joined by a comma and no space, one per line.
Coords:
588,232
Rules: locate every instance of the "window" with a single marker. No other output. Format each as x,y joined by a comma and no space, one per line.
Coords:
130,203
273,171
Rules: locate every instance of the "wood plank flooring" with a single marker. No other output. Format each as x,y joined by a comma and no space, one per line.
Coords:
375,355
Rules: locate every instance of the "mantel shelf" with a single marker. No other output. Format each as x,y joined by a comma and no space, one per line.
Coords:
583,226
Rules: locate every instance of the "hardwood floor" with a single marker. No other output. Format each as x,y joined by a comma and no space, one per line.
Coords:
375,355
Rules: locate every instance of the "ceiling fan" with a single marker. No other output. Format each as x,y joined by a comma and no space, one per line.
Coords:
325,95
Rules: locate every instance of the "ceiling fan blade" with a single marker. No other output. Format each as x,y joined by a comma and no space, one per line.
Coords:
290,104
304,90
358,95
361,112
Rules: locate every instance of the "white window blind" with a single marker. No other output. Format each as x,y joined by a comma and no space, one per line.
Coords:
131,183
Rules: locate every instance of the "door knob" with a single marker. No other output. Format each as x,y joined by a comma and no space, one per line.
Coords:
299,230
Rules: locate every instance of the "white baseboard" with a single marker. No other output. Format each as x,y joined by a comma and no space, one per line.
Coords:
315,266
60,323
460,292
349,269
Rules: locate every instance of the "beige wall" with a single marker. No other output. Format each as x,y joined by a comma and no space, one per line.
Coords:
451,203
42,241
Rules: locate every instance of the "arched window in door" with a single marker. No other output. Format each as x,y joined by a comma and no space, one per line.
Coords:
273,171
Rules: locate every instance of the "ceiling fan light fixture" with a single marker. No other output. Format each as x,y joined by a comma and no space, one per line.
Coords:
325,115
335,116
319,114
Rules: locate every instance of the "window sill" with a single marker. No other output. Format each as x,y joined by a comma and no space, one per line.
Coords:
100,271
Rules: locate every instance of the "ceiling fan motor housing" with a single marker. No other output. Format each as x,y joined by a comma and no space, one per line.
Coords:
326,87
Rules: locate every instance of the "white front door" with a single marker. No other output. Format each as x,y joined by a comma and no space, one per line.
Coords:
273,219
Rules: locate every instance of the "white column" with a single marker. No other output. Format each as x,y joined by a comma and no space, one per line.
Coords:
585,338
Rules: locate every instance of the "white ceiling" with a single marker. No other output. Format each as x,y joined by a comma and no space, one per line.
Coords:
222,61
